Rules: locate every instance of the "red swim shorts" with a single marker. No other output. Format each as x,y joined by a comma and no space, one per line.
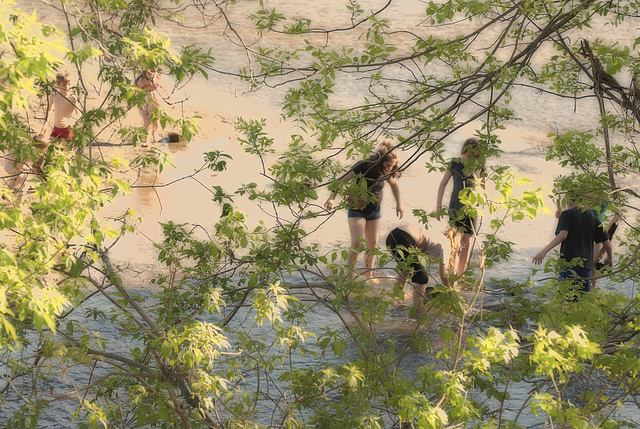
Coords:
62,133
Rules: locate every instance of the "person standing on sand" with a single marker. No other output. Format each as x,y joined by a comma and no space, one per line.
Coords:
406,243
364,218
18,170
577,230
149,82
64,106
466,175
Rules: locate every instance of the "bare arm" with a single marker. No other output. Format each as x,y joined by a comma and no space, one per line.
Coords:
166,97
562,235
483,178
444,275
395,189
443,184
609,249
558,208
47,113
330,203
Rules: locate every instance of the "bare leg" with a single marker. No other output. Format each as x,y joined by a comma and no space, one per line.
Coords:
401,280
154,130
596,251
465,247
453,236
444,274
356,228
146,119
419,292
19,184
371,233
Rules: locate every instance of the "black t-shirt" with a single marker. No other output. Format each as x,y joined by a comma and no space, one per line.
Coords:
368,170
583,229
462,179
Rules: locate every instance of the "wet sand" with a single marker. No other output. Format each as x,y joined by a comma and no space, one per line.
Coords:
172,195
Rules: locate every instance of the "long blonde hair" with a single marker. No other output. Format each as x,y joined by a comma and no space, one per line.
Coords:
384,153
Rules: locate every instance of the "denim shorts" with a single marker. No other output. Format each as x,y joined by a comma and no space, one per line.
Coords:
580,275
367,216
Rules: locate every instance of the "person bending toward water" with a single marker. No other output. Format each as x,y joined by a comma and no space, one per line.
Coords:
149,82
364,217
64,107
407,243
466,175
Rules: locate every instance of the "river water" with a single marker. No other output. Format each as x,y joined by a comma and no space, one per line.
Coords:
223,97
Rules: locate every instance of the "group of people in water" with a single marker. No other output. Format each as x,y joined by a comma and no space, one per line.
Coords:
579,231
62,113
407,241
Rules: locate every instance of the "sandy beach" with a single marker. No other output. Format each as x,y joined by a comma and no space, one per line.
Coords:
174,194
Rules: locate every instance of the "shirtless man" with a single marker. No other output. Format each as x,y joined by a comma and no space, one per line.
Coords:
406,243
63,105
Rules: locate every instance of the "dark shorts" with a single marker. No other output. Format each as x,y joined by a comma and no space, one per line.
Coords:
464,224
367,216
580,275
398,243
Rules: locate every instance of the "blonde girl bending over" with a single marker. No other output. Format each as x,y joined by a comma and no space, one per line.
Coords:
364,218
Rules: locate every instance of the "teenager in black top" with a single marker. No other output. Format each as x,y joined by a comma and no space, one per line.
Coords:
578,230
364,216
466,173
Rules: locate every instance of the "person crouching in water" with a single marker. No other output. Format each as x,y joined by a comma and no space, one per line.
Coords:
407,243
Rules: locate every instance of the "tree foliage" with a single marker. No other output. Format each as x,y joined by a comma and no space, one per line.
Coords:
228,338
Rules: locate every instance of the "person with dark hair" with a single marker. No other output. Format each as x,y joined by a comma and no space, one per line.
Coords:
407,243
466,175
364,216
577,231
598,211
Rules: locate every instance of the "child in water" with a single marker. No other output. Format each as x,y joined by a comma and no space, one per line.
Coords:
63,105
364,219
466,175
406,243
149,82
